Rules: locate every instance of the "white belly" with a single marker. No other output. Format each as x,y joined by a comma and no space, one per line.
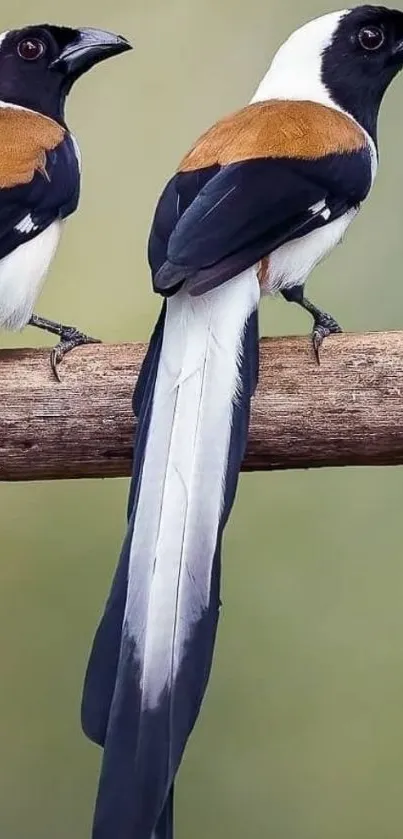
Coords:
291,264
22,274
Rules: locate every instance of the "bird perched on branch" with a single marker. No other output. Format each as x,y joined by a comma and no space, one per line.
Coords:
259,200
39,161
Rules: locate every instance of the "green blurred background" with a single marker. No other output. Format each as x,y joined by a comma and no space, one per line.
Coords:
301,734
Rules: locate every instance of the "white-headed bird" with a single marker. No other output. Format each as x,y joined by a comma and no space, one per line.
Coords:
255,205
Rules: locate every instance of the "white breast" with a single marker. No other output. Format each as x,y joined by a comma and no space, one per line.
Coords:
22,274
291,264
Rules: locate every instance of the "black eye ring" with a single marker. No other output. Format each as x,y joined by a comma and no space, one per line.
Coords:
371,38
30,49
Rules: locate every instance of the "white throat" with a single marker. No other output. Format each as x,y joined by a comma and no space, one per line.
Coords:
296,69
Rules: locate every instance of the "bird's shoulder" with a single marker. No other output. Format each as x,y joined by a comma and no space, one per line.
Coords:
39,175
268,173
273,129
25,139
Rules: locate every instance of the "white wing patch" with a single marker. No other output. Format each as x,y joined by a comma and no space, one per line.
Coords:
26,225
316,208
322,209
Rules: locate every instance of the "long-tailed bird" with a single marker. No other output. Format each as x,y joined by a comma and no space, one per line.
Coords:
259,200
39,161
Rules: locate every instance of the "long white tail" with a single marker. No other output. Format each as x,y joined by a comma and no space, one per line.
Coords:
196,408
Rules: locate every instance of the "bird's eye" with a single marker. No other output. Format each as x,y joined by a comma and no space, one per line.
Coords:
30,49
371,37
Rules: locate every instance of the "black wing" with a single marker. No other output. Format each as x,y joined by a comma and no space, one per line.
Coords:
237,214
27,210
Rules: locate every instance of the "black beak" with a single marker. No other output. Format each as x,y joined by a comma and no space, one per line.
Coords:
90,47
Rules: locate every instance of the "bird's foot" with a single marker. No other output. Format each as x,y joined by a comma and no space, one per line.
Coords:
323,326
70,339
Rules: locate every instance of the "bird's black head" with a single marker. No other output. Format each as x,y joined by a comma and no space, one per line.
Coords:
364,55
39,64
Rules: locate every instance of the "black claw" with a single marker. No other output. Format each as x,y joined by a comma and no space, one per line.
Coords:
324,325
317,341
54,361
70,339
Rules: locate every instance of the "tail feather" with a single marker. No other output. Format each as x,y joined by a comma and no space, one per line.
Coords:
192,448
100,677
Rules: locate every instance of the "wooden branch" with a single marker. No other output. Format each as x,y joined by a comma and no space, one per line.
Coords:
348,411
